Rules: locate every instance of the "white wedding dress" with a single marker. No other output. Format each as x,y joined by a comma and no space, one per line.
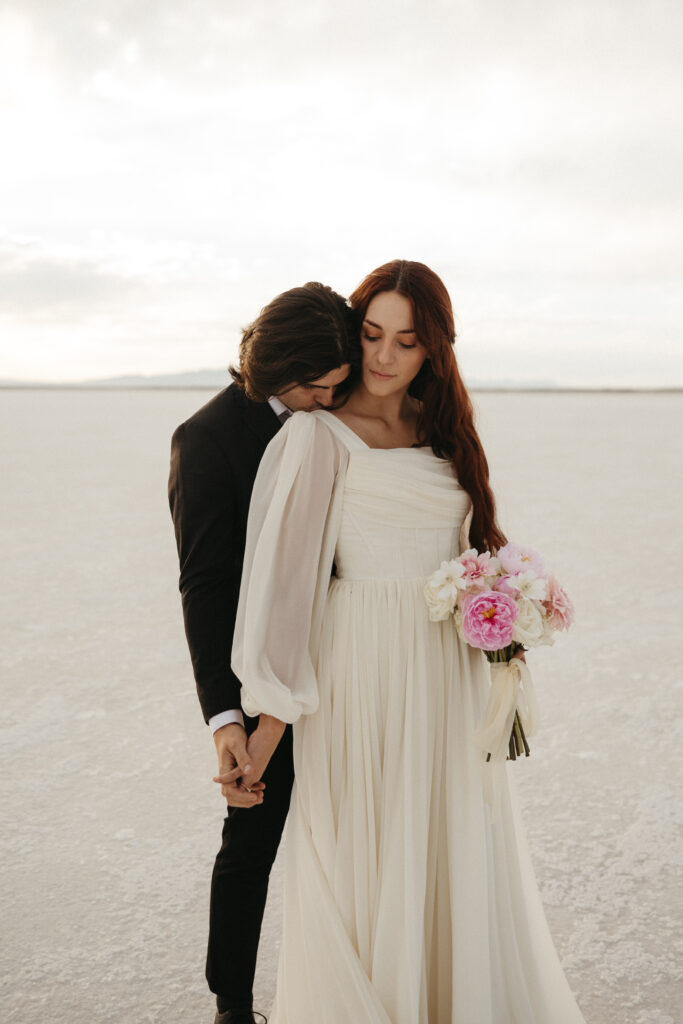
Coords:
403,903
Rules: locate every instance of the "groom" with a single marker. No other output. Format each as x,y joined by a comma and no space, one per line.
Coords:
292,358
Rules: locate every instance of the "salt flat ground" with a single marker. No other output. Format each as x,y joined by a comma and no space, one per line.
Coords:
110,818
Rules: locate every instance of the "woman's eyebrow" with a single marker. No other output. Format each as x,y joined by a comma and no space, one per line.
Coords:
379,328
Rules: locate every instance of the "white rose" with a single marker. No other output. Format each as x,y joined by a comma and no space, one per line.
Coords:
528,627
441,590
530,586
440,602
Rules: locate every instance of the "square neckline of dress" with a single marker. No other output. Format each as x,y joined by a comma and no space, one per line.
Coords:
369,447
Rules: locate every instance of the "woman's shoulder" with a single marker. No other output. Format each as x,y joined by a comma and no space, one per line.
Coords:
342,432
310,431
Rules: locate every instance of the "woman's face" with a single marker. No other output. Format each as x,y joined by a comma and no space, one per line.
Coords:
392,355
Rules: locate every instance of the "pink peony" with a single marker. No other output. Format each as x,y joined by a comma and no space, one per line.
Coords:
478,570
487,620
558,606
516,558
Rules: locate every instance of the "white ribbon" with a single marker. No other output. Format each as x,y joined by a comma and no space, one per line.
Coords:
511,690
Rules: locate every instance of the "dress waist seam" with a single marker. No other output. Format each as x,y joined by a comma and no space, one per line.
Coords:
381,579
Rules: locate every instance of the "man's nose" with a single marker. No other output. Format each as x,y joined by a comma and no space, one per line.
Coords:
324,398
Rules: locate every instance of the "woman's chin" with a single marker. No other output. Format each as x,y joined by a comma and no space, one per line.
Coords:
378,387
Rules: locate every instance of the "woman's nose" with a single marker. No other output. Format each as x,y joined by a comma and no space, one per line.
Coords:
385,353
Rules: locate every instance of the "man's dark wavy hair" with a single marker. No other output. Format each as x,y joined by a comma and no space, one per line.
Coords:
299,337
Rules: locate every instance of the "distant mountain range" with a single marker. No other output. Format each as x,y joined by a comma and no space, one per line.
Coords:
216,379
191,379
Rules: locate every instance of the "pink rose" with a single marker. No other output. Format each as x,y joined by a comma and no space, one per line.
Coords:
479,569
558,606
487,620
516,558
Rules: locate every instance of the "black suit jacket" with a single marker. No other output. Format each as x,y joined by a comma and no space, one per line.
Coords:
214,458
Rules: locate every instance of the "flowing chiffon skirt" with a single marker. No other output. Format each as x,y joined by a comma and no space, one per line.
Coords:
403,903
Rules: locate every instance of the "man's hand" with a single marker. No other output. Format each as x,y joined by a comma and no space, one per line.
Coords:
235,768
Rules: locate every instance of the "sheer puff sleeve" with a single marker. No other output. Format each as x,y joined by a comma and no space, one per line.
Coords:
289,553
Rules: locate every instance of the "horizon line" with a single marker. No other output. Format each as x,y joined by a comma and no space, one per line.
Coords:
507,387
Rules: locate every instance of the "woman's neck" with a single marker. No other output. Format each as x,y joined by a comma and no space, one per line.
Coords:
391,409
382,422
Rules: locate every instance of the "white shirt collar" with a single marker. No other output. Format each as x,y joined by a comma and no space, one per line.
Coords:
277,406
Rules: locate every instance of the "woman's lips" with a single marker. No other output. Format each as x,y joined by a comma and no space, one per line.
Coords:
381,376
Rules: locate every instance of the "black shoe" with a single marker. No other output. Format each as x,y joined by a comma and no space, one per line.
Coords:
240,1017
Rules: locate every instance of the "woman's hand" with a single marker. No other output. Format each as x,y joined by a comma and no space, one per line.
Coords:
261,746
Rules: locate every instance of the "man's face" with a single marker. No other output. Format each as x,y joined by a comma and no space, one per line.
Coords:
318,394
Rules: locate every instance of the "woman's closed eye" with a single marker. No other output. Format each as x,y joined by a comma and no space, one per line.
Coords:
376,337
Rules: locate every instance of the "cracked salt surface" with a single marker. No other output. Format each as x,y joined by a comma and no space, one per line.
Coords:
110,818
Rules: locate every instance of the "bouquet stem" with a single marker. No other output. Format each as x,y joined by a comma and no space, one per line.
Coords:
518,742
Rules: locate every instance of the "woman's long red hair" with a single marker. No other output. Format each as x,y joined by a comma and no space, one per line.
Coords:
446,419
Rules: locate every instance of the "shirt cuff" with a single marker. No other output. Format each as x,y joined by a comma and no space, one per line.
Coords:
234,717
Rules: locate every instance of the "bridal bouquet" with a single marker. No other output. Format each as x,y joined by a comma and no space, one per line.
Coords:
502,604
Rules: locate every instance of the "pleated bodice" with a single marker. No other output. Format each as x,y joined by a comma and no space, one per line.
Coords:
402,510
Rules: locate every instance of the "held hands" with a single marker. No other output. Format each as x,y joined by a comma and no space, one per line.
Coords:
242,761
234,768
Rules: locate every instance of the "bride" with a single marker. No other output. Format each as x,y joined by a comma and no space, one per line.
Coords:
404,902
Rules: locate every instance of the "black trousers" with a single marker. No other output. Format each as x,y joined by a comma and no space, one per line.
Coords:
239,885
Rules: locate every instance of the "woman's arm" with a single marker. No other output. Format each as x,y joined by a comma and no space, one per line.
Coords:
289,553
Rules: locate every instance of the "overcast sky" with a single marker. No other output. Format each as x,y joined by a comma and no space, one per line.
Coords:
169,167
